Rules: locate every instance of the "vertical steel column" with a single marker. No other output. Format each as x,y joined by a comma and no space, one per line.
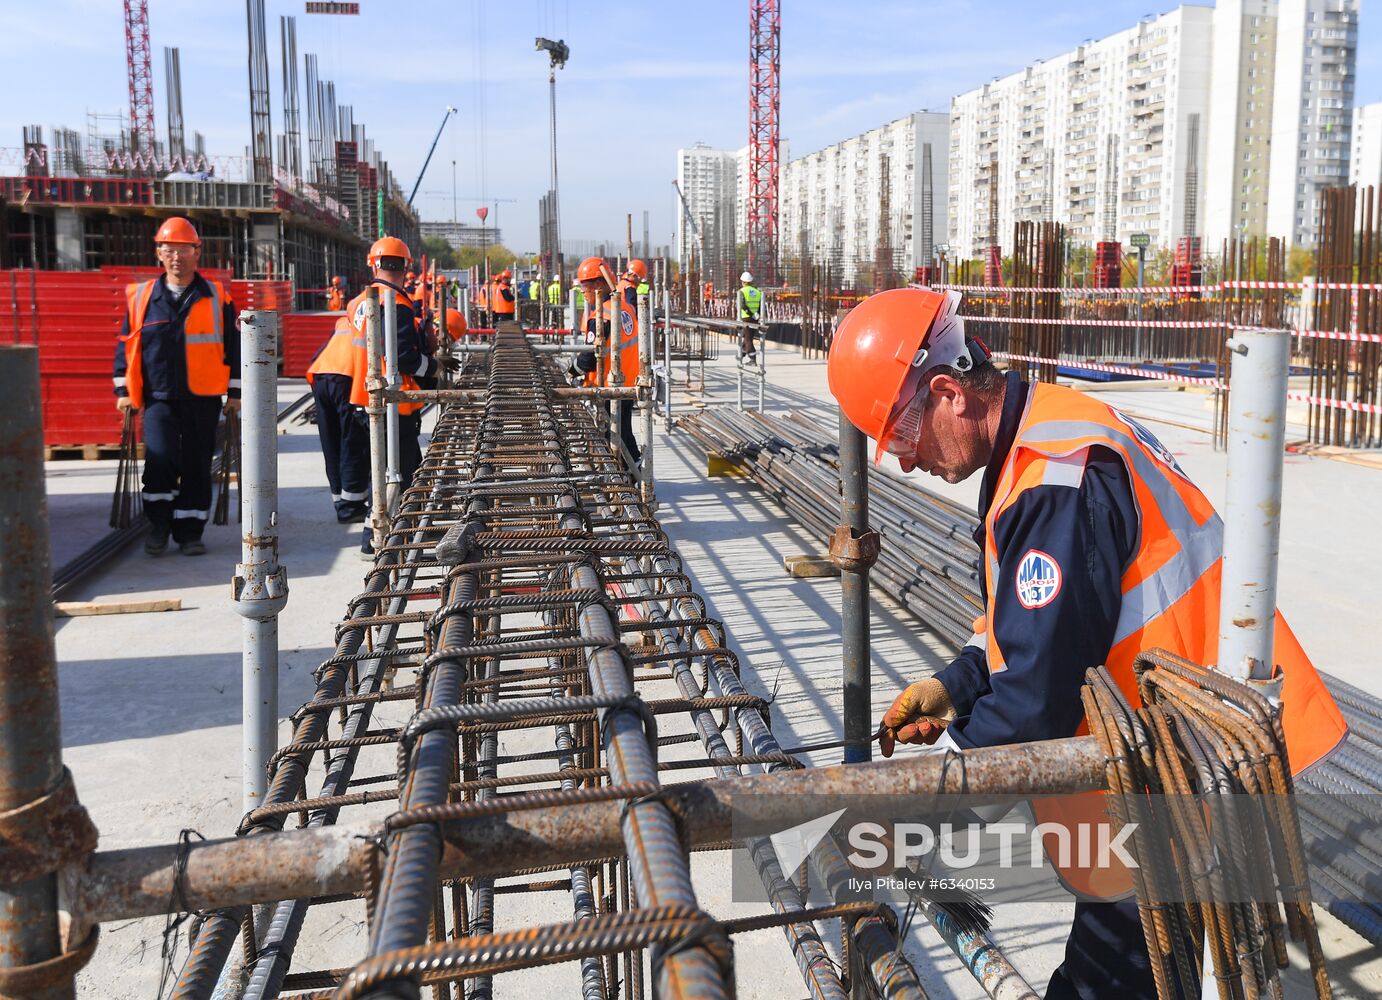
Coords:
378,434
616,366
645,401
854,549
1252,510
260,586
573,312
762,353
394,380
30,734
667,355
443,335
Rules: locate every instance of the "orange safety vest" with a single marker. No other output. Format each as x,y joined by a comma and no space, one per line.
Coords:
1170,588
355,315
203,340
625,339
335,299
340,354
502,306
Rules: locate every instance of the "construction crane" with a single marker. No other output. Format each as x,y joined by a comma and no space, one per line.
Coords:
558,52
141,75
765,72
435,139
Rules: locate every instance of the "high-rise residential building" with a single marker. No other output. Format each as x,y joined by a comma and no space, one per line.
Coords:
1365,159
1312,111
882,192
1210,122
1107,138
710,183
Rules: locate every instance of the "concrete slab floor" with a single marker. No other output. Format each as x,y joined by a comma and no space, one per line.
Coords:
151,702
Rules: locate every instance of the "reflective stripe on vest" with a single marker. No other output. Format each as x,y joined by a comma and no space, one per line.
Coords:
359,343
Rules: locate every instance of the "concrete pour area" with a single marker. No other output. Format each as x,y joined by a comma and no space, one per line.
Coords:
151,702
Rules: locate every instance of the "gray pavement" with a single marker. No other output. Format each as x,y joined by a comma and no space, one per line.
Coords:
151,702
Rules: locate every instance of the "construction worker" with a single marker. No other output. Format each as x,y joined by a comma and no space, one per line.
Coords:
554,291
707,297
750,301
335,295
596,278
388,257
342,427
178,354
1096,548
503,302
410,283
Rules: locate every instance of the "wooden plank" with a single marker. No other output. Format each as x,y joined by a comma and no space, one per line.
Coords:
81,609
808,567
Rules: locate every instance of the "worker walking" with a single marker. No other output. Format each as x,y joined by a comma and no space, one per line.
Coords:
1096,547
335,295
178,354
750,301
342,426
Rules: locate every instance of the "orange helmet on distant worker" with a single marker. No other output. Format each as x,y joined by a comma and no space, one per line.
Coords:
177,230
505,274
336,281
639,268
455,324
881,352
388,246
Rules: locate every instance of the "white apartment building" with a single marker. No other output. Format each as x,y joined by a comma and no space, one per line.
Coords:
1312,111
886,188
1365,158
710,182
1210,122
1108,139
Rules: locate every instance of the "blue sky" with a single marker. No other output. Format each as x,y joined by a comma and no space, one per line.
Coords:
661,77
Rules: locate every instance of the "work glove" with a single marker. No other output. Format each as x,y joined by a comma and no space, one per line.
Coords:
232,405
919,715
449,363
123,403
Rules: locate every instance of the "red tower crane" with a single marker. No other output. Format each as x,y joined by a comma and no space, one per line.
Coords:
138,57
765,71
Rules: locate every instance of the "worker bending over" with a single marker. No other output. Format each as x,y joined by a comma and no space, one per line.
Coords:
1096,547
178,354
597,279
750,301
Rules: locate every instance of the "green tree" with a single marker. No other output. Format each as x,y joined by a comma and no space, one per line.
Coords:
499,256
1299,263
437,249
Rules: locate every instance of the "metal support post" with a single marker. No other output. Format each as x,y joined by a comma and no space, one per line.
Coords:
378,434
573,312
646,405
260,587
739,377
854,548
1141,283
762,353
389,305
30,733
616,362
667,355
443,335
1252,509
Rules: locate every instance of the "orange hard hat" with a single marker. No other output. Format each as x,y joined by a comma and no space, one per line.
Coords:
592,268
177,230
455,324
336,280
388,246
505,274
883,346
639,268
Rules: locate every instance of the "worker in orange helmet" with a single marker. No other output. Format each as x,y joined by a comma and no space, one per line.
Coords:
178,354
503,301
410,283
455,325
597,279
335,295
1096,547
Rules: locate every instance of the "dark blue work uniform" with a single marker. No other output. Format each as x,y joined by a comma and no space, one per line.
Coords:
1090,528
179,426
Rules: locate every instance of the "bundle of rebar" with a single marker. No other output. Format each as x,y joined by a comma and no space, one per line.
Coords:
526,590
1199,770
928,561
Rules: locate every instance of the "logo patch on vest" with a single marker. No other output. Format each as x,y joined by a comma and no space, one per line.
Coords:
626,321
1038,580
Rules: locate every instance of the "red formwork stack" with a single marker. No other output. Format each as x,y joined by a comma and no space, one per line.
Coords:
303,334
1108,264
75,318
1187,270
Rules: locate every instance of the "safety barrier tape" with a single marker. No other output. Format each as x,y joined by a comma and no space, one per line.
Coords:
1182,324
1342,286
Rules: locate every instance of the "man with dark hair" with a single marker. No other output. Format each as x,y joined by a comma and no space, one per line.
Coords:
1096,547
